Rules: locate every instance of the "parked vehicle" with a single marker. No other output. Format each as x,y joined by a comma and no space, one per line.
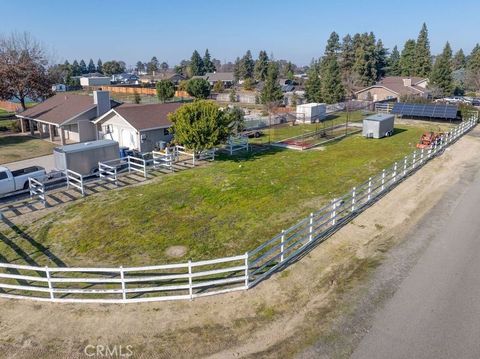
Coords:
83,158
11,181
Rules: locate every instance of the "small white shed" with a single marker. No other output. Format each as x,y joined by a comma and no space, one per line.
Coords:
378,126
95,81
311,112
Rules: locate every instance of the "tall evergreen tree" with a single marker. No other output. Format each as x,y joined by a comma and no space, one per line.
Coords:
394,63
261,66
333,44
140,66
332,87
207,63
366,60
381,59
91,66
100,66
313,85
247,66
83,67
76,70
473,69
196,64
153,65
407,59
236,69
441,75
272,92
347,55
459,60
423,61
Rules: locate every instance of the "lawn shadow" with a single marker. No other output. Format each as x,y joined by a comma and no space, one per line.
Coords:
254,152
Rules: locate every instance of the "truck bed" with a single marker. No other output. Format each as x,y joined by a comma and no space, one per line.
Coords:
27,170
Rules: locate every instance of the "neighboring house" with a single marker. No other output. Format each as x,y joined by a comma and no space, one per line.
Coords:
59,88
139,127
125,78
170,76
95,81
393,87
67,115
226,78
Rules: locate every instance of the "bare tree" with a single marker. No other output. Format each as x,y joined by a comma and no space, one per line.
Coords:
23,68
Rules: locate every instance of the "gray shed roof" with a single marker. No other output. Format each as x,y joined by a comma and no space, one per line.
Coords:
379,117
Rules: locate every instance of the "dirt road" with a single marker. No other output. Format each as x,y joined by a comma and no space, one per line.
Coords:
316,304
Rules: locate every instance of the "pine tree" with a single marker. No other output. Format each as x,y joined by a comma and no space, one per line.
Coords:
459,60
140,67
261,66
83,67
196,64
394,62
381,59
332,87
333,44
423,61
441,76
76,70
313,85
91,66
236,69
347,55
99,66
153,65
472,77
247,66
407,59
272,92
366,60
207,63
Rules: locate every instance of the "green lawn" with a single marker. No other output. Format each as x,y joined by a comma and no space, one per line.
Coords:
222,209
16,148
7,120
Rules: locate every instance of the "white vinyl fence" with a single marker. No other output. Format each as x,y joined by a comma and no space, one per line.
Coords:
196,279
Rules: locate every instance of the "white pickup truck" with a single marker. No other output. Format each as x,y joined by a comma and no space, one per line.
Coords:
11,181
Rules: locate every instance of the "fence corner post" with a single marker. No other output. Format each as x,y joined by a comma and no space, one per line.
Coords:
354,191
369,189
334,214
190,279
383,179
122,277
49,281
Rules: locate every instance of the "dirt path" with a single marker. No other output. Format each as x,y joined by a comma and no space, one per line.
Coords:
279,317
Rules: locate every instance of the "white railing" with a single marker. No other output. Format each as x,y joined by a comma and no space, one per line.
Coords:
237,143
37,190
195,279
138,165
164,159
75,180
108,172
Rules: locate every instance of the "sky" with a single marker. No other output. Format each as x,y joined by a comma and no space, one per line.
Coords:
293,30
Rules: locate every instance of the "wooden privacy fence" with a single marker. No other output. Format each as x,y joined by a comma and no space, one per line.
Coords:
196,279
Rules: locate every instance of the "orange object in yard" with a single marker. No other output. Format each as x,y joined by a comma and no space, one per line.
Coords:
428,139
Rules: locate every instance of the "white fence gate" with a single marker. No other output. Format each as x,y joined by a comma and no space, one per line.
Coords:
75,180
137,165
108,172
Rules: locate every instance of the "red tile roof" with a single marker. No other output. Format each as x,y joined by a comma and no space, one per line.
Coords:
149,116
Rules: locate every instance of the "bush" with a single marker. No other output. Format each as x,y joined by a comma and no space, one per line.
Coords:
198,88
165,90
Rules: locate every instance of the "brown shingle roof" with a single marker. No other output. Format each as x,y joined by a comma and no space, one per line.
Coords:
396,84
143,117
59,108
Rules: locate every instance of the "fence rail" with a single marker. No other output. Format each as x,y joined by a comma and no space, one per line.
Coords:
196,279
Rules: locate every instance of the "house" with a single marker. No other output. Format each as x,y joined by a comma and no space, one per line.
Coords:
155,77
140,127
95,81
226,78
394,87
125,78
68,116
59,88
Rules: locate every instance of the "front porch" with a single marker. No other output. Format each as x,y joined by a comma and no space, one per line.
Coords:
46,131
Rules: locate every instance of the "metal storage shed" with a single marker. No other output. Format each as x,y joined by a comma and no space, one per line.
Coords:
378,126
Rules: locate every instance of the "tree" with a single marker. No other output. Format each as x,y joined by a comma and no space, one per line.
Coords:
366,60
165,90
196,64
233,95
200,125
112,67
271,93
99,66
152,66
473,70
91,66
164,66
23,74
394,63
218,87
83,67
76,70
459,60
289,70
140,66
423,61
247,66
313,85
198,88
347,56
332,87
236,69
236,119
208,65
261,66
441,76
136,97
333,44
248,84
407,59
381,59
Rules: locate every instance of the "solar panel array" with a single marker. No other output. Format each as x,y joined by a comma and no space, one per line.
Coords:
425,110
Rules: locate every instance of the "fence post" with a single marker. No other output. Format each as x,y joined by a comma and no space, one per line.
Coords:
414,160
369,188
310,230
383,179
50,287
395,172
190,281
122,277
128,161
354,190
334,212
421,156
246,270
81,185
282,240
144,168
405,166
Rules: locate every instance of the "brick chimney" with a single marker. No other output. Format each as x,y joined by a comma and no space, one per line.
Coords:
407,82
102,100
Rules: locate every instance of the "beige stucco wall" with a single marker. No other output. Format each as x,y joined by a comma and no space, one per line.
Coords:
377,94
